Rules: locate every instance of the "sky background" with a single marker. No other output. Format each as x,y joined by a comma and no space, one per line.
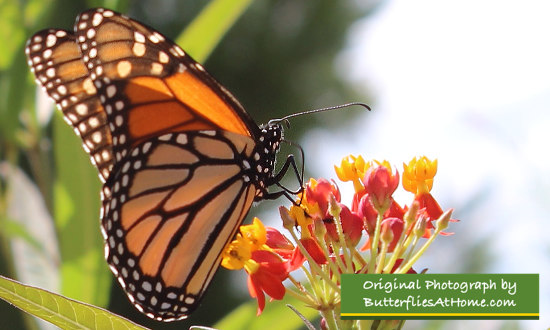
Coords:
466,82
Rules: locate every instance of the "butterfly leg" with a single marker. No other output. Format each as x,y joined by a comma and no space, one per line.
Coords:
288,193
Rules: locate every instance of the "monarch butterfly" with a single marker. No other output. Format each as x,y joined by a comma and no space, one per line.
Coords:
180,159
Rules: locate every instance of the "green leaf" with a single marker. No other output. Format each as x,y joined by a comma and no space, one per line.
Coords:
84,272
12,33
276,315
61,311
207,29
30,230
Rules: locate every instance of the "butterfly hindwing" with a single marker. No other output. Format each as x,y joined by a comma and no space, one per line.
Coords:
163,244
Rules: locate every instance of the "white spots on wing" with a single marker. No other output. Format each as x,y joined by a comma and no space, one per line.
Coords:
96,137
90,33
138,49
199,67
119,120
165,137
119,105
156,37
181,139
51,39
123,69
98,70
108,13
179,51
92,53
146,147
93,122
89,87
163,57
47,54
97,19
139,37
156,68
61,89
111,91
50,72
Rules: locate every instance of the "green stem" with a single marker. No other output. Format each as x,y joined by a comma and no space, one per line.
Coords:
382,254
374,244
403,269
329,319
312,264
305,298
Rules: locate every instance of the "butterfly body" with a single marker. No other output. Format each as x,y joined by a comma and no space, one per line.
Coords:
181,160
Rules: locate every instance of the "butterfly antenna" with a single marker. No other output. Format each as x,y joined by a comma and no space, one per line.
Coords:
285,118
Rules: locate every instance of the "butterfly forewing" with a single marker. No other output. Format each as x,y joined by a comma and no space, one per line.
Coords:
55,60
148,85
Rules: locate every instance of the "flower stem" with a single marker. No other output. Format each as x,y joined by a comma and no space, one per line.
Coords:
374,244
403,269
312,264
330,320
301,296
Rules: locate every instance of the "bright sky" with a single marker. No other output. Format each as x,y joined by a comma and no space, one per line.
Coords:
467,82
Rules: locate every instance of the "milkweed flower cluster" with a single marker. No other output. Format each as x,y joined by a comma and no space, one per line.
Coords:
326,238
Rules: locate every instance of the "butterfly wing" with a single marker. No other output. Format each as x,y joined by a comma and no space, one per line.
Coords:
149,85
184,157
175,204
55,60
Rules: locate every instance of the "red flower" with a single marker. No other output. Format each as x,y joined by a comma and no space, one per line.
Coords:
380,184
398,263
279,243
267,277
396,226
352,226
314,250
368,213
427,202
317,196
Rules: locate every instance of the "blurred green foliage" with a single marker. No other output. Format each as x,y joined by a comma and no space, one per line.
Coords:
278,59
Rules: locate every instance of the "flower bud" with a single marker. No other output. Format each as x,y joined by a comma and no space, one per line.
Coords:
420,227
443,222
380,184
288,221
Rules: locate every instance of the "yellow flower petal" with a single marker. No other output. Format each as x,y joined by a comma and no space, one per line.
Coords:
418,175
255,233
237,253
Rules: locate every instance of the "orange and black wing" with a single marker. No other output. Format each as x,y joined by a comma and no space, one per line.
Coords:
176,202
55,60
149,86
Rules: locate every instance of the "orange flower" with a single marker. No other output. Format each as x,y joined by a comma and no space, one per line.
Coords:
352,169
418,175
